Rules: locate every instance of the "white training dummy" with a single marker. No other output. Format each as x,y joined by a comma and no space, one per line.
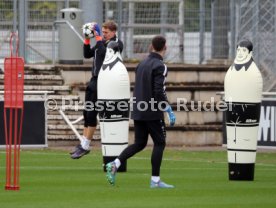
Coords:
243,86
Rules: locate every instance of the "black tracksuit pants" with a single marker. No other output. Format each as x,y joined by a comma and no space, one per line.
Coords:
154,128
90,113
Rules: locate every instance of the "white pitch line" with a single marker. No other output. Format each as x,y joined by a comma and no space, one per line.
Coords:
147,158
54,168
100,168
202,161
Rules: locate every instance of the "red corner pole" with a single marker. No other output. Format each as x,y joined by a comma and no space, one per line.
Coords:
13,114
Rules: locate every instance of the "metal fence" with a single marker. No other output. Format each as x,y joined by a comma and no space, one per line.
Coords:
36,19
257,22
186,24
141,20
197,31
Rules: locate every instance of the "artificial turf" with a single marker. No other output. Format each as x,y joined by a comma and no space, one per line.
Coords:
50,179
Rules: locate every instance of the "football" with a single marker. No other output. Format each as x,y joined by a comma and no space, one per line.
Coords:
87,30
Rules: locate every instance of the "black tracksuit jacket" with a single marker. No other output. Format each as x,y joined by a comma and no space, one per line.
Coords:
98,52
150,84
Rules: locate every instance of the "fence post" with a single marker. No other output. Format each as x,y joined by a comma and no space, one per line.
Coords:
14,28
23,12
14,16
274,48
92,11
164,17
119,17
181,32
129,34
202,30
255,33
233,29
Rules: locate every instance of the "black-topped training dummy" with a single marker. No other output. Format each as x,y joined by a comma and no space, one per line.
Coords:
113,95
243,86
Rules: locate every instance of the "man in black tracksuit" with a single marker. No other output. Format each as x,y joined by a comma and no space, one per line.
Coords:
150,102
97,52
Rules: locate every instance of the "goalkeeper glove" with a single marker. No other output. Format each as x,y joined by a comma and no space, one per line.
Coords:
170,115
97,32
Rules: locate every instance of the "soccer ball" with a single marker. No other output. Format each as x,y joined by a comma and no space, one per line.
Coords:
87,30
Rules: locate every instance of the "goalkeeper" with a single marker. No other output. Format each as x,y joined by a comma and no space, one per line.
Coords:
96,52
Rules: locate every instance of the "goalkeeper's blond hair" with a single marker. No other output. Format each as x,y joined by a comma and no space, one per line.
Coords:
111,25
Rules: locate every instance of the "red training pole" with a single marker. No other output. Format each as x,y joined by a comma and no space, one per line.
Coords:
13,114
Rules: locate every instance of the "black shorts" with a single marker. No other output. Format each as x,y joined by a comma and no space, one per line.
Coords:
91,97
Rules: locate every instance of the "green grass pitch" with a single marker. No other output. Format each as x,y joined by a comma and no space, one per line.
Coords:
50,179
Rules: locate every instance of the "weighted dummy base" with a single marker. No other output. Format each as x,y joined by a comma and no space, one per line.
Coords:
241,172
